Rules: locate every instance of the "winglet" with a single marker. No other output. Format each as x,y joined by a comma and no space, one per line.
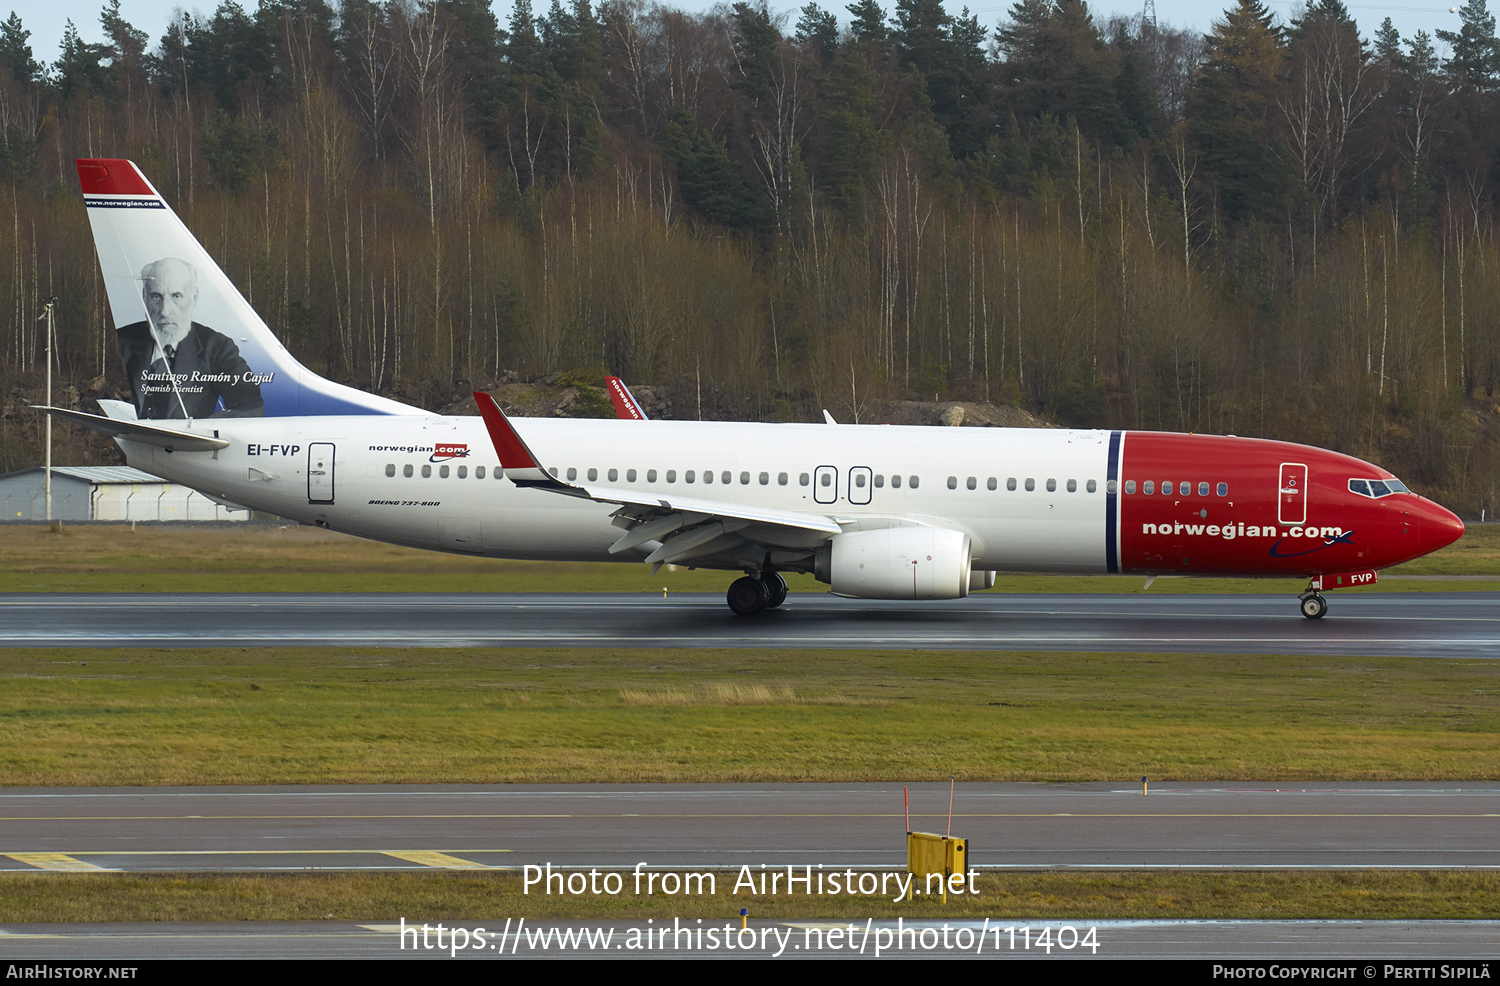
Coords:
520,465
626,406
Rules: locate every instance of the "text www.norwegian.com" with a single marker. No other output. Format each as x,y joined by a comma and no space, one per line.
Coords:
516,938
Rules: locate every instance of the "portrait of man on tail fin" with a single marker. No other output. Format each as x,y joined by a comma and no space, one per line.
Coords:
177,367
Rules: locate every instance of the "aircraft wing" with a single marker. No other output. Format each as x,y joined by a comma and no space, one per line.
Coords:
687,527
135,431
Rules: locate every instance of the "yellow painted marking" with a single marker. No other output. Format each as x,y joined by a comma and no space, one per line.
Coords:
52,861
430,857
250,852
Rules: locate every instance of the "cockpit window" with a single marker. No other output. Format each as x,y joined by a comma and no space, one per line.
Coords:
1377,488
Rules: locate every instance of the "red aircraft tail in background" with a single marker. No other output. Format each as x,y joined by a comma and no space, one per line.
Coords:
626,406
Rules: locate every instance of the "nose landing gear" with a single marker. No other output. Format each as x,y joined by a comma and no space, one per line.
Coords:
1313,605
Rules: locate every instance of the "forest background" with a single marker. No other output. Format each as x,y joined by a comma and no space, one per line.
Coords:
1276,230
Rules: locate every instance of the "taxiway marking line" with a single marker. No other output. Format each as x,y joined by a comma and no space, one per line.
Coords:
51,861
431,857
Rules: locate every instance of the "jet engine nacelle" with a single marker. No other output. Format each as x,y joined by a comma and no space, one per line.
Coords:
897,563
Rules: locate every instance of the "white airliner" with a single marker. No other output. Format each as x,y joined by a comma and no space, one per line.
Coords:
877,512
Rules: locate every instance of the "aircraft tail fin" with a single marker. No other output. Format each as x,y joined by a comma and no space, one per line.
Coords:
626,406
193,347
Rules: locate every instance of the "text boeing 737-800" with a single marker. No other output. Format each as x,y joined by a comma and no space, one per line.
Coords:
877,512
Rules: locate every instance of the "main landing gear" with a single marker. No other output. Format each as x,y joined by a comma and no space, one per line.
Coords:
1313,605
750,595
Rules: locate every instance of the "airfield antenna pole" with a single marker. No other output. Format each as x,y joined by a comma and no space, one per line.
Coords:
906,802
951,781
47,307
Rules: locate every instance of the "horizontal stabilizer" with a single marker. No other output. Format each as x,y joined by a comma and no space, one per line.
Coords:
134,431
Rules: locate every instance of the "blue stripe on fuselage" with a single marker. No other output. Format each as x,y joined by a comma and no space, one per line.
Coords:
1111,506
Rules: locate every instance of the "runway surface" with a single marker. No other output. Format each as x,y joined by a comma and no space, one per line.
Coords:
1456,944
724,827
1461,624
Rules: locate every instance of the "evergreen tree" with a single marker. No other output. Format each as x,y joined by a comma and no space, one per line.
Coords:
171,60
868,22
81,67
228,50
1388,46
1133,92
1235,159
706,177
1476,57
1230,112
1321,12
523,52
1414,99
1245,50
590,46
818,31
921,36
968,40
1044,44
853,143
755,43
15,50
127,48
559,31
477,59
571,40
237,152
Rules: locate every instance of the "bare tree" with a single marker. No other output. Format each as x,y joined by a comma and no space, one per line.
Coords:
1331,88
370,76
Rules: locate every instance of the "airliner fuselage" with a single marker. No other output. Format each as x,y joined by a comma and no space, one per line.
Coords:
1031,500
219,404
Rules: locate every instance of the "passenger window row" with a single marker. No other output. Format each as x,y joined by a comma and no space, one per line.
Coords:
972,483
442,471
1184,488
707,476
726,477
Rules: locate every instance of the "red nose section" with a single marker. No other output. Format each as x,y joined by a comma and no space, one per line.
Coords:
1437,527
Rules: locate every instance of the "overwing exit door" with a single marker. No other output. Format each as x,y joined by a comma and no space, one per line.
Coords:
826,484
860,484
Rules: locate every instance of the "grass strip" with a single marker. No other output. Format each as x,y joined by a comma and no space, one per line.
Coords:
339,715
271,558
494,896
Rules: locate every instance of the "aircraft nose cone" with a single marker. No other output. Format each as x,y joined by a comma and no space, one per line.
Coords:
1438,527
